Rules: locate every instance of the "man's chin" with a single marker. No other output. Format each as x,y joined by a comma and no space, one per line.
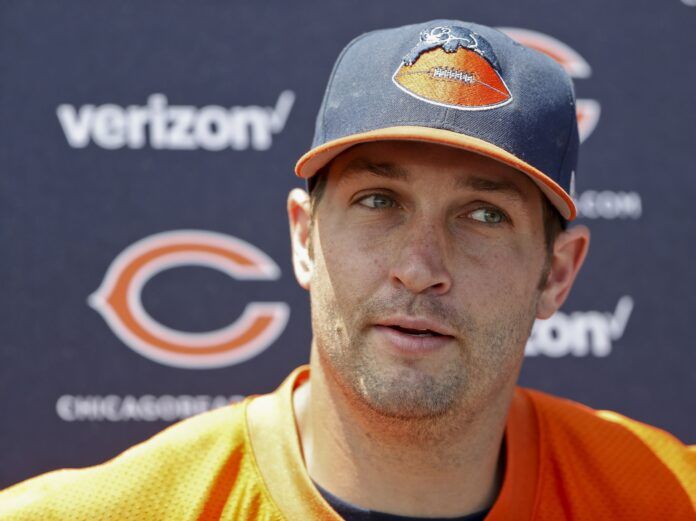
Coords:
408,393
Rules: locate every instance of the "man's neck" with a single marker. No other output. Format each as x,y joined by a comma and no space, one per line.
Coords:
436,468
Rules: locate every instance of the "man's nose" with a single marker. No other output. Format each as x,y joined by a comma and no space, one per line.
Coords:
420,263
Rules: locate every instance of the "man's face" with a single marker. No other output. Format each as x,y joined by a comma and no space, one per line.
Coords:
427,263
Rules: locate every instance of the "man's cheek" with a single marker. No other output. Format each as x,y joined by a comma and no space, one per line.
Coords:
332,278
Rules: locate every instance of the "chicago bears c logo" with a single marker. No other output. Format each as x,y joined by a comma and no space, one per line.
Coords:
588,110
453,67
118,299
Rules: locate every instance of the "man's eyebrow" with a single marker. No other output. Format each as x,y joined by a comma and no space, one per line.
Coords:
388,170
485,184
394,171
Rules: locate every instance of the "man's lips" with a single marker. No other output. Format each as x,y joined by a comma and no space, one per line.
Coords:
413,336
416,326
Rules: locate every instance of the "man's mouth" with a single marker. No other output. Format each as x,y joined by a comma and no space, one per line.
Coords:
412,336
415,332
416,326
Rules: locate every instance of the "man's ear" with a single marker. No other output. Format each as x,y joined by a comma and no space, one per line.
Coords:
299,215
569,251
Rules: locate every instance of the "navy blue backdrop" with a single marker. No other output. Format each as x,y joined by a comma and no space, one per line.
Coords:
147,150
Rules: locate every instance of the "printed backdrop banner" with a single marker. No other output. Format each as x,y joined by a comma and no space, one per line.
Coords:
147,151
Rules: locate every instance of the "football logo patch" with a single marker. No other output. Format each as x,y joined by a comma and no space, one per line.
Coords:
453,67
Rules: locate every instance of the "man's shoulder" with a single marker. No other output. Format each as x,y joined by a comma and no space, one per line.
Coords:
603,453
568,419
177,470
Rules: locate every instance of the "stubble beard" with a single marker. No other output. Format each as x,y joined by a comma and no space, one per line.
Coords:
486,354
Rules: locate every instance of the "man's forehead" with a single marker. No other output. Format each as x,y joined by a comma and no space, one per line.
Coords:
407,161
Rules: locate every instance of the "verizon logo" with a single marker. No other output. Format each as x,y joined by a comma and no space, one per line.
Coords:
581,333
176,127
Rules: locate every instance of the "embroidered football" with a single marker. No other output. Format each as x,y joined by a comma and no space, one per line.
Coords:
462,79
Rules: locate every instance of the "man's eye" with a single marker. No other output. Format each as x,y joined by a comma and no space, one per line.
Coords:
377,201
488,215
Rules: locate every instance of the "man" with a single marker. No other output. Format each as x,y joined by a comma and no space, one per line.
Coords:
432,236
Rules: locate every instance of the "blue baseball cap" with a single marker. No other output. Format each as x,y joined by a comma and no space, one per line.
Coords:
457,84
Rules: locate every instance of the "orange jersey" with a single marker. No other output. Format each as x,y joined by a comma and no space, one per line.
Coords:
564,461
